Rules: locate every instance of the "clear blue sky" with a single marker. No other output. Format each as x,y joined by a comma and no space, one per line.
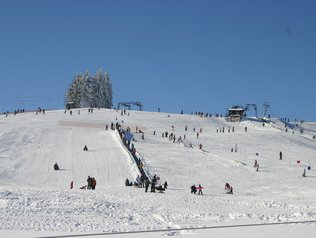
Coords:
174,54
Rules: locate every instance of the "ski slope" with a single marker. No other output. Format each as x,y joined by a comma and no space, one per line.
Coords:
35,198
28,154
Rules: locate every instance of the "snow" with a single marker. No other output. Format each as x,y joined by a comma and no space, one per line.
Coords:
37,201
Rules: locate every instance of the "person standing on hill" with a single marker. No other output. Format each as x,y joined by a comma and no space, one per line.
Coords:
193,189
281,155
165,185
153,188
93,183
89,180
147,183
199,188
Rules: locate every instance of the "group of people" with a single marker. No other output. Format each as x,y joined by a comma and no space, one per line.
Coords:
228,188
145,183
92,183
198,189
222,130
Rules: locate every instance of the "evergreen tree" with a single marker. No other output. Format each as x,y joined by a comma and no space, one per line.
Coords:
88,91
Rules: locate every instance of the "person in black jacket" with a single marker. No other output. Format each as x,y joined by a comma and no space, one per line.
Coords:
147,183
89,180
193,189
56,167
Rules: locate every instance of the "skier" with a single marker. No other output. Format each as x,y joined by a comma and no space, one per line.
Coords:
85,148
71,184
199,188
280,155
56,167
255,164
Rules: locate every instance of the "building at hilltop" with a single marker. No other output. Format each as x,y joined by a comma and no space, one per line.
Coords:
235,113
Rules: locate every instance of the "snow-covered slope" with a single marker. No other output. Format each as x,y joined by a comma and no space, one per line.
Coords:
35,197
30,145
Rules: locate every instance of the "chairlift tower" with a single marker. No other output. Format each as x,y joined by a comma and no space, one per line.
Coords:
266,106
129,104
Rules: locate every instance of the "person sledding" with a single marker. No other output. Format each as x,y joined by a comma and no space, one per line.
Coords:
56,167
230,191
159,188
227,187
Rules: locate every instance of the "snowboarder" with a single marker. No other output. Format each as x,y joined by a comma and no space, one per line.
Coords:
230,191
199,188
85,148
56,167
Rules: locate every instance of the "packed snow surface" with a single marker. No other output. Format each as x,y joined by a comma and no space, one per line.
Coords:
34,197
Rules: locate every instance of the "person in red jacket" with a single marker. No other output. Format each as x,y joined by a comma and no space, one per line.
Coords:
199,188
93,183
